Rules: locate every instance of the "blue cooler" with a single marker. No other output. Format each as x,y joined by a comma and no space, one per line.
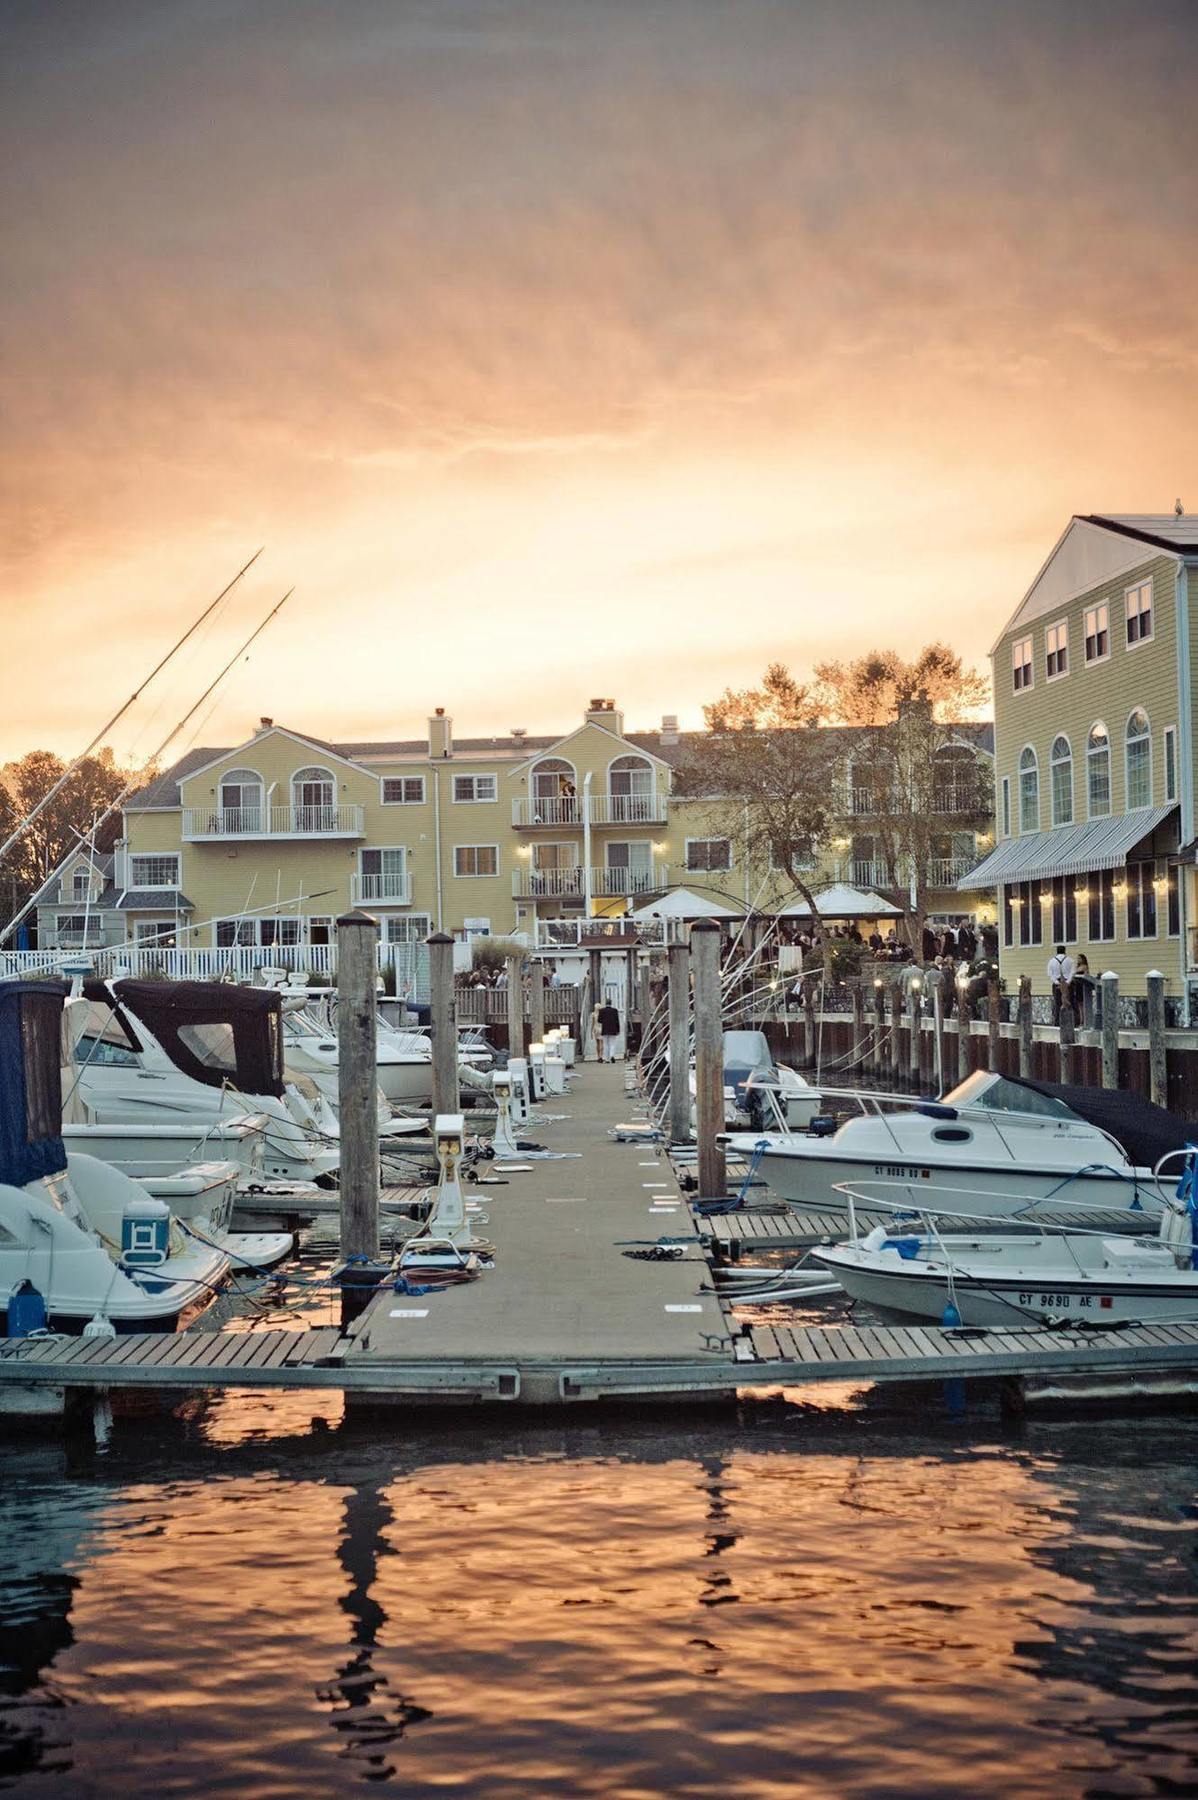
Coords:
145,1233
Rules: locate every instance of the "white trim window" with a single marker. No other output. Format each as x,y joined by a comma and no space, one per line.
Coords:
1100,907
709,856
257,933
383,874
1170,745
473,861
474,790
1021,664
403,790
1098,772
1056,650
1137,605
1137,753
1029,790
802,855
1096,625
154,871
1061,766
406,928
150,932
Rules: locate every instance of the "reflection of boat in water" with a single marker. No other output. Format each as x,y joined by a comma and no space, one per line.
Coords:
1084,1277
1014,1141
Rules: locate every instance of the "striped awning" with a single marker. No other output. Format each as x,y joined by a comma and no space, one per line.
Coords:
1068,850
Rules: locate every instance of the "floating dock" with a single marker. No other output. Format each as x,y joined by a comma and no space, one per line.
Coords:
565,1316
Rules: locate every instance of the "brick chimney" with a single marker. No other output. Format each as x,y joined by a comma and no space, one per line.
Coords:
669,728
440,736
603,712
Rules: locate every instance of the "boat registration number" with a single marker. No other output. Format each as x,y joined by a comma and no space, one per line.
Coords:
902,1171
1031,1298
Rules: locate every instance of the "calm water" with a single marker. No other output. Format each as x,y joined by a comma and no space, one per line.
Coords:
871,1597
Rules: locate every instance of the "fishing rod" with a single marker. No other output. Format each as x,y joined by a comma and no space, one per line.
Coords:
154,755
72,768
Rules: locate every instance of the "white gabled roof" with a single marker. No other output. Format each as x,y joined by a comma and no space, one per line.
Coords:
684,903
840,901
1095,548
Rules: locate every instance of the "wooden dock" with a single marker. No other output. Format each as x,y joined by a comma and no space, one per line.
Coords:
565,1316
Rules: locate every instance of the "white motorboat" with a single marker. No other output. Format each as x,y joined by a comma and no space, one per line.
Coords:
194,1058
403,1059
88,1239
1081,1277
1014,1141
756,1086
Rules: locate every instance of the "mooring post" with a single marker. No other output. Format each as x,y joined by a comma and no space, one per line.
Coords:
357,1094
1024,1015
589,1049
938,1035
1110,1028
709,1057
1158,1081
1068,1025
963,1029
857,999
896,1041
915,1042
644,990
679,964
810,1030
878,1060
443,1024
994,1025
515,1005
536,1002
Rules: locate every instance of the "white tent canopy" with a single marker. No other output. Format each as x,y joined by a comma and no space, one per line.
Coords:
683,903
840,901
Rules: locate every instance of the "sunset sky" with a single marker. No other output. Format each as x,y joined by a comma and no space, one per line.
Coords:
569,347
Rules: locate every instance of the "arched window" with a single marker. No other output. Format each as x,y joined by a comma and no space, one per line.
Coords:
241,805
1029,790
555,792
313,800
1137,750
630,789
1098,770
1062,781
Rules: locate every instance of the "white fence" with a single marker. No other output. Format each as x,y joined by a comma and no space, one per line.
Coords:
407,962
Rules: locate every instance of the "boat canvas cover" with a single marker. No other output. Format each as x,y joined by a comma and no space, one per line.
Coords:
214,1031
30,1081
1145,1131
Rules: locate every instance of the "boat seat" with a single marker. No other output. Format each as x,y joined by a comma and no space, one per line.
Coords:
1130,1252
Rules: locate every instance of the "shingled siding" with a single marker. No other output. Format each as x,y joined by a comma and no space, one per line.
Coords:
1143,675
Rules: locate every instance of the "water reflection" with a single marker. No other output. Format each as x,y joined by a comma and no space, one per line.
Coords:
782,1602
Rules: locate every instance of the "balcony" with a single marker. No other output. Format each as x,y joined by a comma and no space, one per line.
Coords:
389,889
870,875
571,883
946,871
569,811
224,824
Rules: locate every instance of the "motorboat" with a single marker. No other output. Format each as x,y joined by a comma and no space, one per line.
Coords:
752,1077
1012,1141
403,1059
85,1238
1084,1278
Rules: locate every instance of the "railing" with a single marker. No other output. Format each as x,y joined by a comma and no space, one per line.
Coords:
870,874
955,799
570,810
570,934
235,962
629,809
221,822
946,871
387,888
78,940
869,801
488,1006
571,883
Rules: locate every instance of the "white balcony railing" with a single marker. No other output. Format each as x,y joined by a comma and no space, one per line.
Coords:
571,884
870,874
570,810
946,871
202,823
387,889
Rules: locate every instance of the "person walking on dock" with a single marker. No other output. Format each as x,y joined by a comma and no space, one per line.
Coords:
609,1027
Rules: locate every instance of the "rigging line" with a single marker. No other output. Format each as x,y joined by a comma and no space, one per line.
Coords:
129,786
73,767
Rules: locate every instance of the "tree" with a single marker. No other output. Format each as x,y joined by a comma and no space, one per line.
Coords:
763,754
915,778
67,822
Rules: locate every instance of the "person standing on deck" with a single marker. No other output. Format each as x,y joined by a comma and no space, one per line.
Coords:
1061,970
609,1027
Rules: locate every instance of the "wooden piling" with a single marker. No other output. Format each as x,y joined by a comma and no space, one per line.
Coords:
1024,1016
857,998
679,964
915,1041
896,1040
536,1001
1158,1082
994,1026
1110,1029
963,1030
515,1006
1068,1025
588,1048
357,1083
709,1057
443,1024
810,1029
878,1058
938,1057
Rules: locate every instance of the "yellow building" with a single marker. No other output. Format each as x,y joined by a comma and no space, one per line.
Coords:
262,845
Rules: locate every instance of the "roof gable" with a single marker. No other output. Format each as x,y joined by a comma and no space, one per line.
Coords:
1091,550
626,746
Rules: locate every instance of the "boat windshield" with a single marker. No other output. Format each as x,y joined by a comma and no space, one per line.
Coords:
747,1050
995,1094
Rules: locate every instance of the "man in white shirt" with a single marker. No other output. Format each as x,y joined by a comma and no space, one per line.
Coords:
1061,967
